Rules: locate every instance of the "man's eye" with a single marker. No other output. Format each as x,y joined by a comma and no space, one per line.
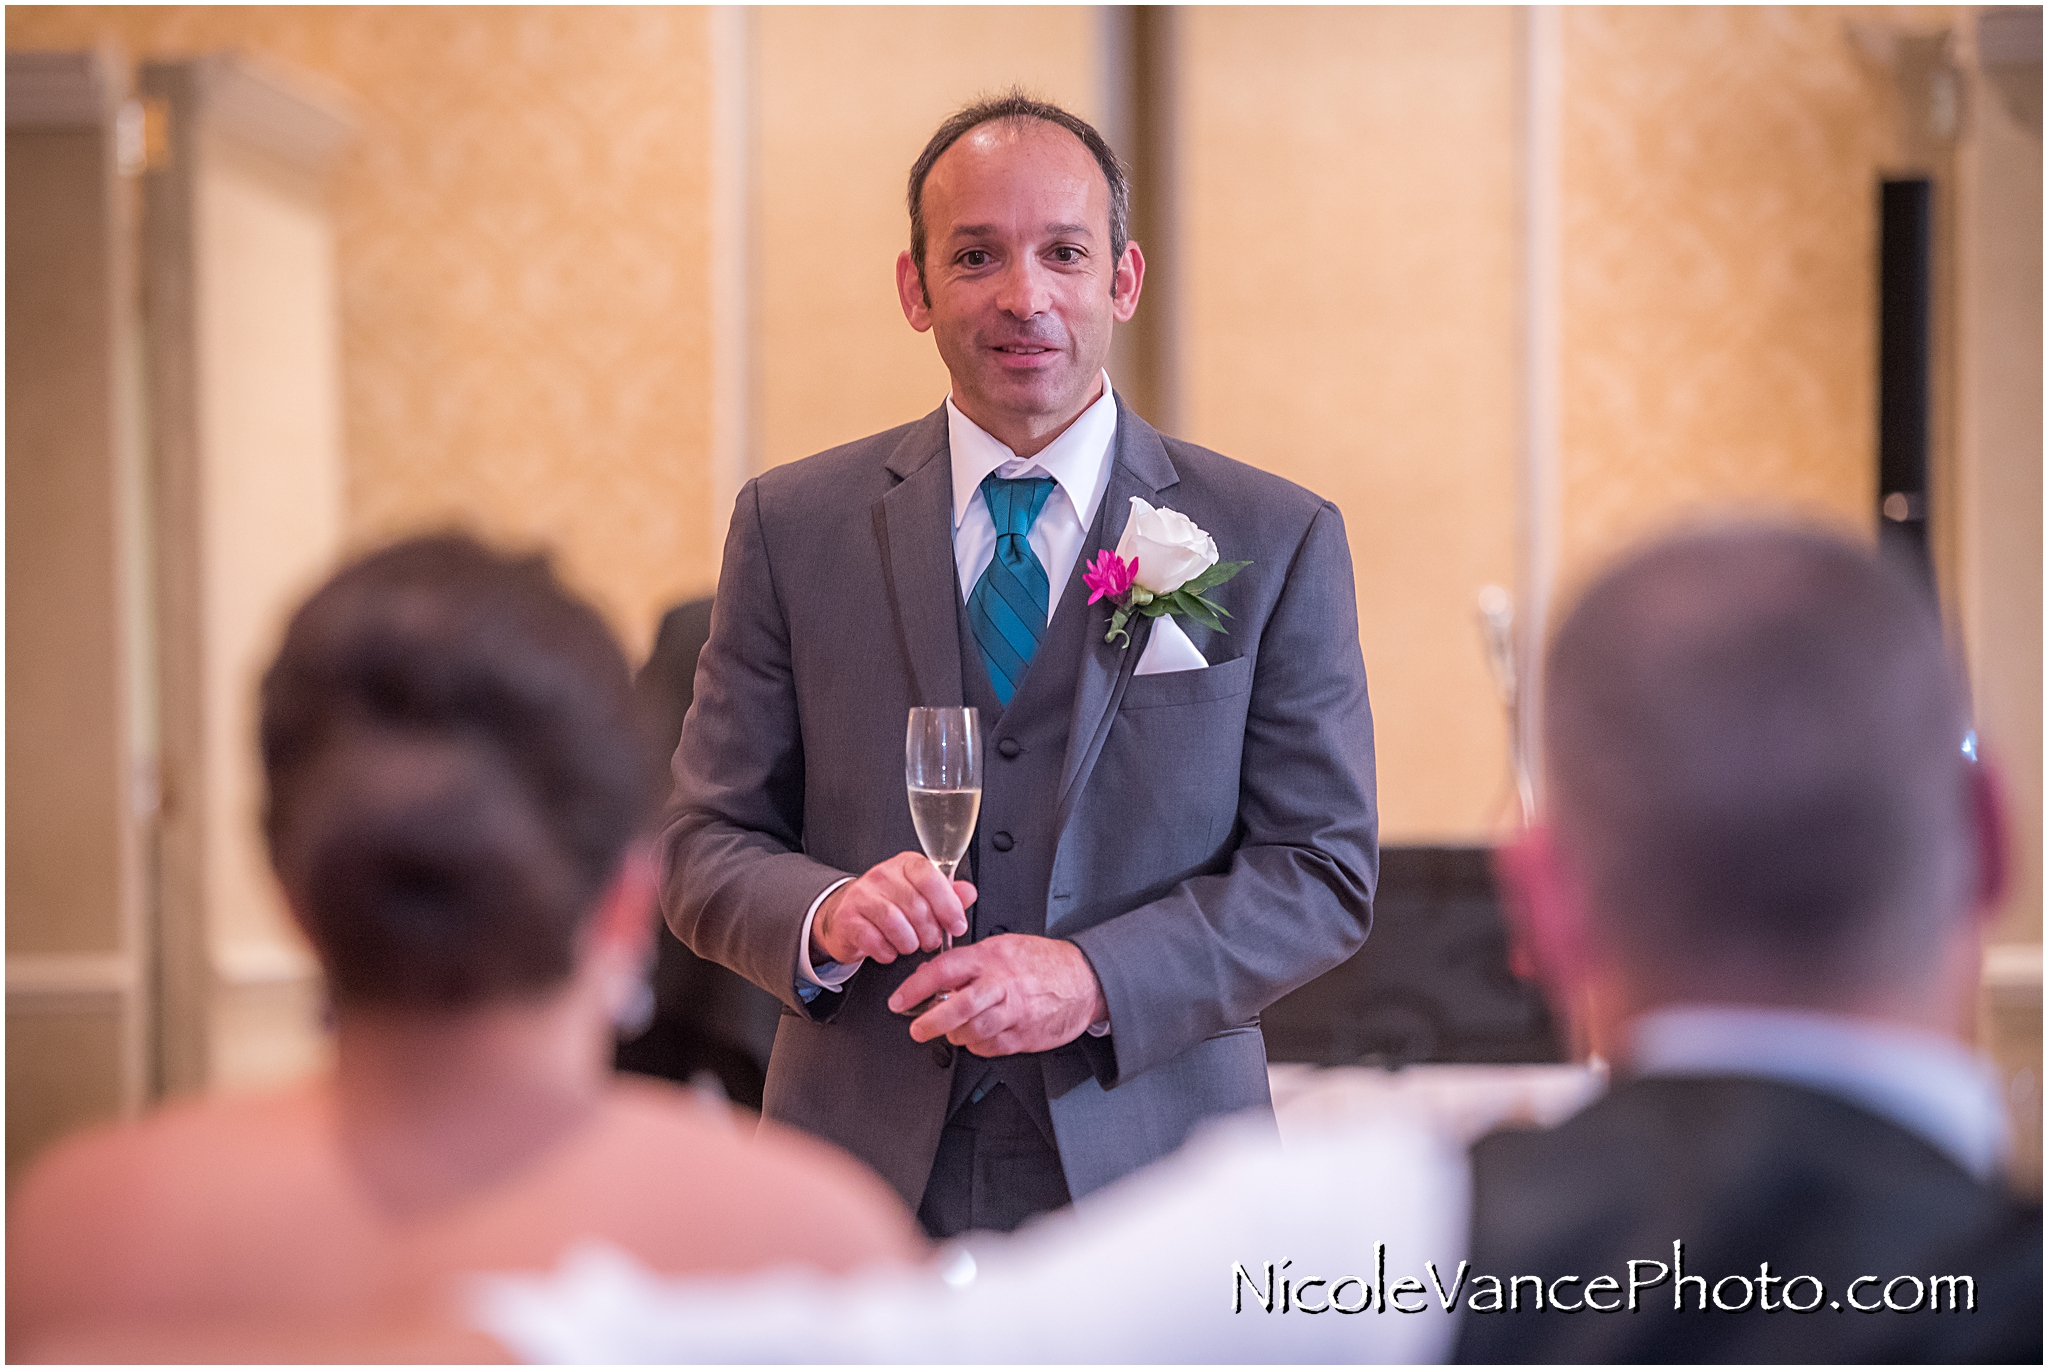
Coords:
1066,254
975,257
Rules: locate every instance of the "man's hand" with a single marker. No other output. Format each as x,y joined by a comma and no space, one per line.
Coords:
1009,994
898,907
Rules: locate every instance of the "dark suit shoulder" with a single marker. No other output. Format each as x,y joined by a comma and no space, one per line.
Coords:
1742,1172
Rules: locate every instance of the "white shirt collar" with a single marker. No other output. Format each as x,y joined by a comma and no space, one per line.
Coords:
1927,1084
1078,458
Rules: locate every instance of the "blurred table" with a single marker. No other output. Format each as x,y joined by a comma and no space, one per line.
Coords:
1461,1102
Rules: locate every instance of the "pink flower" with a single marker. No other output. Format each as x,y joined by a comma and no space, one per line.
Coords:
1111,575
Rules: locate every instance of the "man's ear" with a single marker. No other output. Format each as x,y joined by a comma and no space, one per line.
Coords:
1545,911
1991,826
1126,285
910,291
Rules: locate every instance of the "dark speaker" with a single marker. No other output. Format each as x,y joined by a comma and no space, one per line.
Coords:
1905,331
1431,984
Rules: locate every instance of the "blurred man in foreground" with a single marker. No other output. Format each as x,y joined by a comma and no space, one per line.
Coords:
1764,872
456,781
1764,869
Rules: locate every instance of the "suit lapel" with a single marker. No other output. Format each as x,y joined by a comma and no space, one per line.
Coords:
914,526
1141,468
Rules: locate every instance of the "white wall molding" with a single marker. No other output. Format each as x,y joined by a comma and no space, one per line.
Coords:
61,89
288,118
1538,473
2013,967
732,285
38,979
249,965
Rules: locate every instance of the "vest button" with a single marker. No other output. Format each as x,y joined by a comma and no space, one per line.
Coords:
1008,747
1002,841
942,1054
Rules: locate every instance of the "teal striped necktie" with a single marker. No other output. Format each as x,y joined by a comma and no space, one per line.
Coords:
1008,607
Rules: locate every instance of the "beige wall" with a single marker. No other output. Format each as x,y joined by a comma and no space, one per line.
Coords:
1348,288
844,100
522,244
2000,468
77,996
67,770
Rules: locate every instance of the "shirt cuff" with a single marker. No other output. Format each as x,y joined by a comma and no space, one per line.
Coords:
831,975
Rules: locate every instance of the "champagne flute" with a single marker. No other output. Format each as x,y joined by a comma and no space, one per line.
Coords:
942,770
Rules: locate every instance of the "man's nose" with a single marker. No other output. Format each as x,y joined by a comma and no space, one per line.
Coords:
1024,290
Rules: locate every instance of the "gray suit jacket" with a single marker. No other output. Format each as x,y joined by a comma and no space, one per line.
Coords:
1207,838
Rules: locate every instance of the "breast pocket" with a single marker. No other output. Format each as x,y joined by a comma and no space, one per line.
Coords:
1172,757
1220,681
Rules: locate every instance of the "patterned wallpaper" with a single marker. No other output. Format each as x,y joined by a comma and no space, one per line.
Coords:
522,234
524,266
1719,343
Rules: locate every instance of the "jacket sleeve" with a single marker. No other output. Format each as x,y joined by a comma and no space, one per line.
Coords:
734,880
1295,898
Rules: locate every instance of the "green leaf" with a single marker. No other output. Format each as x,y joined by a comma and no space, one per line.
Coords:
1214,576
1200,610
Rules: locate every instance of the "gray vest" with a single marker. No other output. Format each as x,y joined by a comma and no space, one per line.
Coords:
1011,858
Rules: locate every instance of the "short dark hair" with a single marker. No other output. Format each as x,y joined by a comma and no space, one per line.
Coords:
1753,744
455,767
1014,106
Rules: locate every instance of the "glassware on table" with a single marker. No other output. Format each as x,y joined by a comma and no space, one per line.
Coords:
942,771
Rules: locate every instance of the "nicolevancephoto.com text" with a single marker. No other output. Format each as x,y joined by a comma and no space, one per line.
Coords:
1275,1288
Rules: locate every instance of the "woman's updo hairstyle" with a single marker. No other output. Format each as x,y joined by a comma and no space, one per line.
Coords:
455,766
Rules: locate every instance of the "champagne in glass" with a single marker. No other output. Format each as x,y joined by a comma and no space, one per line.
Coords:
942,770
945,820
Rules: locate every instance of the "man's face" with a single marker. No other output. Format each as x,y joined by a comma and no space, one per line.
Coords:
1023,291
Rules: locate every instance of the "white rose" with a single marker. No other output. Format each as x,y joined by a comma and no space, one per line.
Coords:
1169,549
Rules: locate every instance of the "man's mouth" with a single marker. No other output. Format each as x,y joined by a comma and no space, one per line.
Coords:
1023,349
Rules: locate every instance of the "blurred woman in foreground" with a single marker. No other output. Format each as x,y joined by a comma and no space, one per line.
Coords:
456,786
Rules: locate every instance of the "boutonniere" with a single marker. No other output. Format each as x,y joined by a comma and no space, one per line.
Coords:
1161,565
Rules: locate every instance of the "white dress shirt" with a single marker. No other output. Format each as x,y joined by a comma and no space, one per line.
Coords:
1079,460
1929,1085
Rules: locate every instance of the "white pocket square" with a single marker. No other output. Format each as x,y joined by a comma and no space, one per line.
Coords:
1169,650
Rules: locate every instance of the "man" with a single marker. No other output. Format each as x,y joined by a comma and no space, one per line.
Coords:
1176,829
1764,866
1764,873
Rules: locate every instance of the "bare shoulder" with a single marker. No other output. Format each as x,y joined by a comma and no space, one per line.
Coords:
115,1167
96,1217
738,1174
